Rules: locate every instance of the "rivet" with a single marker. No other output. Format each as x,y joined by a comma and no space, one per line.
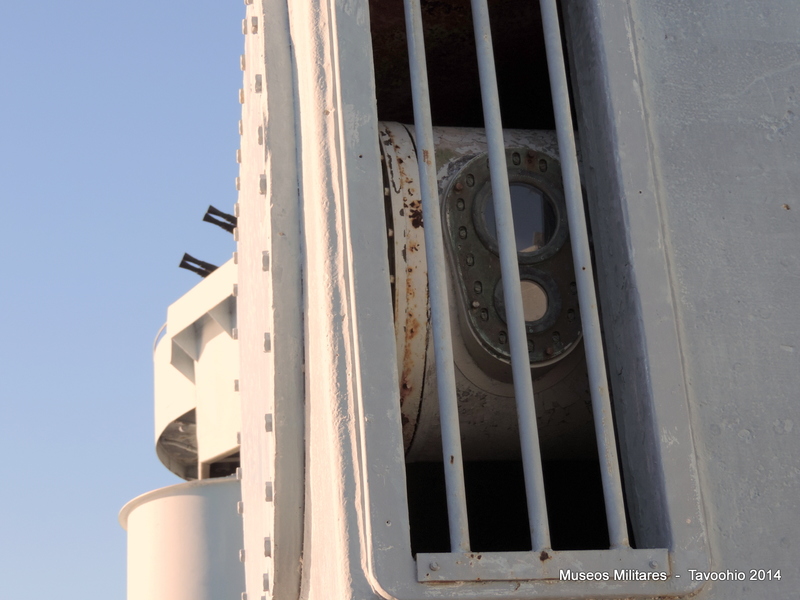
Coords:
542,165
268,491
254,24
462,233
477,287
262,185
484,314
239,155
476,304
235,234
240,507
459,186
267,342
266,582
267,547
238,183
434,566
259,84
265,260
268,423
241,96
238,437
236,258
515,158
234,333
238,473
460,204
470,180
236,209
260,135
653,564
241,555
235,290
247,2
244,26
242,62
244,595
502,337
470,260
241,127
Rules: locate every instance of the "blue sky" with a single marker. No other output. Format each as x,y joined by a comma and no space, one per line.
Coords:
118,127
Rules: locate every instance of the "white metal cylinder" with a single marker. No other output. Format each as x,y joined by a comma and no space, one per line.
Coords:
184,542
486,401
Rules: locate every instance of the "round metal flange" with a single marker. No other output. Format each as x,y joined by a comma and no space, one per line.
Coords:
475,259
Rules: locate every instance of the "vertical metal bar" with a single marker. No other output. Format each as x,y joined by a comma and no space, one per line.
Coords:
520,362
437,283
598,382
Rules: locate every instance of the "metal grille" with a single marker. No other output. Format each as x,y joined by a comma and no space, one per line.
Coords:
438,287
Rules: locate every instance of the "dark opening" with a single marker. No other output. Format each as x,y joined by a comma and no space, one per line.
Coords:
224,466
522,79
496,506
534,217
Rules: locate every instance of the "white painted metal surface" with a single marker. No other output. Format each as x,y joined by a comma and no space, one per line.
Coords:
196,368
184,542
350,365
270,308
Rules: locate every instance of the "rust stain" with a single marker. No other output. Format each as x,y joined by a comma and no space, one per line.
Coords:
415,213
426,157
544,556
412,327
406,388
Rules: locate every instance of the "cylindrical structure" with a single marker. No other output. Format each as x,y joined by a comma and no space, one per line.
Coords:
486,401
184,542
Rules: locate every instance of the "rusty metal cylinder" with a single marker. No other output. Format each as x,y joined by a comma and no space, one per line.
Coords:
487,410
